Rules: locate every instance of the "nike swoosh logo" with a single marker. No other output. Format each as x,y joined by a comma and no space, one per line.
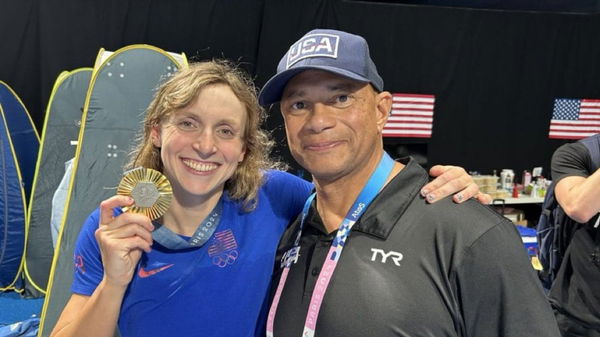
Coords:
143,273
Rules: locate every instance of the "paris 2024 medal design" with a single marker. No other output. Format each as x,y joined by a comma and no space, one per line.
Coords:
150,190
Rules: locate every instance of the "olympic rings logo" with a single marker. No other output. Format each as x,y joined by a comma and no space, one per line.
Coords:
226,258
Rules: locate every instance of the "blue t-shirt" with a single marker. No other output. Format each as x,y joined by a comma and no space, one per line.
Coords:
219,289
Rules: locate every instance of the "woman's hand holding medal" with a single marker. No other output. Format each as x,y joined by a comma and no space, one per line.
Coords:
143,195
122,239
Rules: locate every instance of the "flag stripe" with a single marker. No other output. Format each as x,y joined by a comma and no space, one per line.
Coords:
575,123
407,135
410,119
417,132
397,126
574,128
568,135
414,113
409,106
413,97
411,116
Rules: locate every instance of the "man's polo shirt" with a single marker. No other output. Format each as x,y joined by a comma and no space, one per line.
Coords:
410,268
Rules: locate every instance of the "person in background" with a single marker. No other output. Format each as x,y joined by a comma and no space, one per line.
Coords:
575,293
204,268
368,256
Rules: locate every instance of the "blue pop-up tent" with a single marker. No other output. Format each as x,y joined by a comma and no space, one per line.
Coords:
59,140
19,144
23,134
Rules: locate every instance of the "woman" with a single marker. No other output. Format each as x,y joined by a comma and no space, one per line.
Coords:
202,131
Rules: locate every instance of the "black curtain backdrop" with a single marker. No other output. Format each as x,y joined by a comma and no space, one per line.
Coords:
495,73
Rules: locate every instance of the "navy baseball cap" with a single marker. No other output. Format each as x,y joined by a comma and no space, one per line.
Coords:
330,50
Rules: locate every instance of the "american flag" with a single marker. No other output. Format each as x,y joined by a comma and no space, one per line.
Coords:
412,116
575,118
223,241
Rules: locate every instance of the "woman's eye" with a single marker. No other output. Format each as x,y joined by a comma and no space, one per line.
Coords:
226,132
186,124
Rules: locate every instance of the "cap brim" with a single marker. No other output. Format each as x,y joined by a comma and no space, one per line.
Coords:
272,90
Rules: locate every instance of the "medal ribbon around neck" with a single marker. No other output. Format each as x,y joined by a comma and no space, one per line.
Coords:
152,194
205,230
368,193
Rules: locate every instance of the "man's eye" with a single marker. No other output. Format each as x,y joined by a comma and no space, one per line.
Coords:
343,101
343,98
298,105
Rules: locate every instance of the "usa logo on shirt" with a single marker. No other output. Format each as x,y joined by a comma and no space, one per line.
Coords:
223,249
313,45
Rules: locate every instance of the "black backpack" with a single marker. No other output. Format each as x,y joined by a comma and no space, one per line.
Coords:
555,229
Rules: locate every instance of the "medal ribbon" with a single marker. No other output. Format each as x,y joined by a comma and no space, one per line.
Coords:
168,239
368,193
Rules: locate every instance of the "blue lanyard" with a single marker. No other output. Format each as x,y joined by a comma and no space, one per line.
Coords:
368,193
168,239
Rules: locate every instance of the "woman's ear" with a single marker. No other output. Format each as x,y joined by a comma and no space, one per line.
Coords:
155,136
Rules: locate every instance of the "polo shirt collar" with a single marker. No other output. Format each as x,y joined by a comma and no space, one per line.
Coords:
389,205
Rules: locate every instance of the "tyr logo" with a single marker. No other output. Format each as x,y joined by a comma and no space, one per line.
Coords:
395,256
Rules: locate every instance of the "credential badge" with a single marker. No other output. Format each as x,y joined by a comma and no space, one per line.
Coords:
290,257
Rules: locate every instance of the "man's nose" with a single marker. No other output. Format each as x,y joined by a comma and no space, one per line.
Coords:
322,117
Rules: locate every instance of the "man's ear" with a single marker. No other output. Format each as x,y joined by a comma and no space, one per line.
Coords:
384,107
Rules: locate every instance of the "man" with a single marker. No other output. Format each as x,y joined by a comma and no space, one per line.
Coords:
369,256
575,294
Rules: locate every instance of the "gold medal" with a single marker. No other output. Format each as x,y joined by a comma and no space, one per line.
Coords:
150,190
